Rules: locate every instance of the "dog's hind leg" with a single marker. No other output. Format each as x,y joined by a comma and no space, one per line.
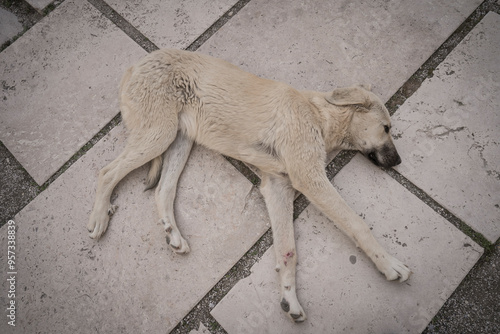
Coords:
140,149
279,194
174,160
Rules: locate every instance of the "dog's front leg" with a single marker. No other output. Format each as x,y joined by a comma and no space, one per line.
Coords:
279,194
318,189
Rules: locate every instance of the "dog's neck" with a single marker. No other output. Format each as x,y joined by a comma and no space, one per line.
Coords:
334,121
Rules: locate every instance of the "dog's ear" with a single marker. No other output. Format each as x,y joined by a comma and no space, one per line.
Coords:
350,95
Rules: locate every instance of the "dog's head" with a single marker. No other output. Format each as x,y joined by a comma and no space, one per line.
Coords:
369,129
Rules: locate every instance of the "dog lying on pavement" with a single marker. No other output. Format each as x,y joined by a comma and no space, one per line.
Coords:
171,99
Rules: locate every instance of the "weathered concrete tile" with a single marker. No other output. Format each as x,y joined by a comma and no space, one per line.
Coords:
338,286
9,26
39,4
449,131
60,85
324,44
172,23
129,281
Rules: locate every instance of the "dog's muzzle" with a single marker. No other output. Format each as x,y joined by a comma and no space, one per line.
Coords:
385,157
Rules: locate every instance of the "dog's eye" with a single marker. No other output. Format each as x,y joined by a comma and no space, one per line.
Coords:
386,128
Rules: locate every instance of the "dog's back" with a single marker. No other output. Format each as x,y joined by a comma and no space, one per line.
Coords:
212,101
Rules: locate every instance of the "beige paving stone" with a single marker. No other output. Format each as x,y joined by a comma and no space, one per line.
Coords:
39,4
9,26
339,287
172,23
320,45
130,281
449,131
60,85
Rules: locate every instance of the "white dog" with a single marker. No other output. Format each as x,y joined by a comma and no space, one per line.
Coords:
172,98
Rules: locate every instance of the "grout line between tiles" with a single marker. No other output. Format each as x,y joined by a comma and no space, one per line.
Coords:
441,210
29,17
124,25
426,70
217,25
84,149
242,268
342,159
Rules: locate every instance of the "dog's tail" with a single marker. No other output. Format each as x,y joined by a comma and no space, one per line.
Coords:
154,172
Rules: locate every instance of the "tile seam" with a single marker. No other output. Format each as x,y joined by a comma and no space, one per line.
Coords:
32,17
411,86
335,166
344,157
440,209
219,23
121,23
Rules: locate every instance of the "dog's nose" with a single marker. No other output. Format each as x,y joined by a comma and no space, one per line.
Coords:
398,160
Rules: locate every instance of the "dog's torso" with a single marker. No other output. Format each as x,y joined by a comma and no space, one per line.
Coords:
172,98
226,109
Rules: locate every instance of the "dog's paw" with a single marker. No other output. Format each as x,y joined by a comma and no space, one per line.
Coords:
291,306
175,239
393,269
98,222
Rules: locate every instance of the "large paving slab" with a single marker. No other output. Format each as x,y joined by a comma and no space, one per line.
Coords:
130,281
449,131
320,45
9,25
172,23
338,286
59,85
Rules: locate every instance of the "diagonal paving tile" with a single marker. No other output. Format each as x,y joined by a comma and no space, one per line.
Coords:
172,23
60,85
9,25
130,281
320,45
338,286
449,131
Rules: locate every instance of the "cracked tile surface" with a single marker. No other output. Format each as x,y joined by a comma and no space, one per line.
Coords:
450,141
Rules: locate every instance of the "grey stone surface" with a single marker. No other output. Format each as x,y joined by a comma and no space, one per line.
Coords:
338,286
9,26
39,4
320,45
449,131
473,307
59,85
201,330
172,23
129,281
16,187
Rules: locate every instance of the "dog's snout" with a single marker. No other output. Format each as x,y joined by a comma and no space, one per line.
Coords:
392,159
386,157
398,160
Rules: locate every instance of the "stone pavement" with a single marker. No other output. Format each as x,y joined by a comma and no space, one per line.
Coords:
435,63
